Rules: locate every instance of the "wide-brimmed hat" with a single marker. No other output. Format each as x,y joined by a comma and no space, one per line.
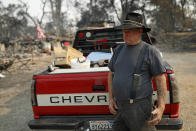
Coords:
133,21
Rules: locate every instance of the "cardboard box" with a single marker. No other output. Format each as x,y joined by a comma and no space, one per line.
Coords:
63,56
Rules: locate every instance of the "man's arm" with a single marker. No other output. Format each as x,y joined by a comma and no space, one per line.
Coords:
112,103
161,95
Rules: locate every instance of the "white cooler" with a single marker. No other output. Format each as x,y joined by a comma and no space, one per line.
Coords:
80,63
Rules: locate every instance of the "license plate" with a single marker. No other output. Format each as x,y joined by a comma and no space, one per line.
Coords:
101,125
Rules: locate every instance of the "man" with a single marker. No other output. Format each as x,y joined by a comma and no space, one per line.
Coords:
130,92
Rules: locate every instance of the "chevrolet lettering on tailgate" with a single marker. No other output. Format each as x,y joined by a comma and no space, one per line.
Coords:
73,99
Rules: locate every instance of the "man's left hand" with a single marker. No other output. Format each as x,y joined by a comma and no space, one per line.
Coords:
157,113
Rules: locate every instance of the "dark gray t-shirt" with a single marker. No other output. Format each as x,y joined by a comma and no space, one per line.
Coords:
123,64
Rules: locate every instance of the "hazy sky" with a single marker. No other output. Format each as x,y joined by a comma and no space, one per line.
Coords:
35,8
34,5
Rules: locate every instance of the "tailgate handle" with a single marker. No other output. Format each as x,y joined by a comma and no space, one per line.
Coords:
99,88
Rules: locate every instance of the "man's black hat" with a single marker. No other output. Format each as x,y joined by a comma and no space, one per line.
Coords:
133,21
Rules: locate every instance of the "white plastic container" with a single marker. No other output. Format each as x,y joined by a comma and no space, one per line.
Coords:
80,63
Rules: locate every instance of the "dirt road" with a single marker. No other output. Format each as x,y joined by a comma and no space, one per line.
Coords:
15,106
184,64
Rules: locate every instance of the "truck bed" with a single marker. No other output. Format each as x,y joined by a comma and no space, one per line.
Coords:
68,71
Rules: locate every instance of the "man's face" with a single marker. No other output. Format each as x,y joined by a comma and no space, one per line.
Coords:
131,36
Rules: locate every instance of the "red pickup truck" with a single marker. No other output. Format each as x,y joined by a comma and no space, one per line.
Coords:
77,99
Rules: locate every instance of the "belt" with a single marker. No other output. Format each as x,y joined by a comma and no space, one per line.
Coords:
131,101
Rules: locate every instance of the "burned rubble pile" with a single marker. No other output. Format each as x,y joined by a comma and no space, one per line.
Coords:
176,41
18,55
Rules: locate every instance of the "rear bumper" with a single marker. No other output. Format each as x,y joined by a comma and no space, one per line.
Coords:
76,122
65,122
170,124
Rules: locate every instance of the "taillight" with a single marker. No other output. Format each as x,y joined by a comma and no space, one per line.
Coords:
174,89
102,41
33,93
81,35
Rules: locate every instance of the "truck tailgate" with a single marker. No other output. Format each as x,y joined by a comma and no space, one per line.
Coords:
72,93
